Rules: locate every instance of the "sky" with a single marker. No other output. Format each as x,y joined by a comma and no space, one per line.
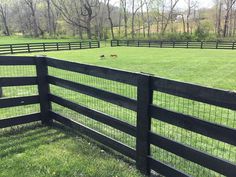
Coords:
201,3
182,3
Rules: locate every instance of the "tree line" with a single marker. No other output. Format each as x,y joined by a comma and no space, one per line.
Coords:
118,19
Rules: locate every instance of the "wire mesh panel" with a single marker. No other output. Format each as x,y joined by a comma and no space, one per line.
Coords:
11,77
192,127
95,103
216,115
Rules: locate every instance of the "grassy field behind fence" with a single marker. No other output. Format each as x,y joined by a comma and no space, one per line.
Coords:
206,67
214,68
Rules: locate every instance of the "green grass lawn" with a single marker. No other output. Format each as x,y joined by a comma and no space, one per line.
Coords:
214,68
38,151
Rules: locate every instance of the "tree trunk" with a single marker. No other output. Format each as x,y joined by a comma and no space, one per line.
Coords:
110,19
3,12
188,15
143,21
219,20
148,18
49,20
132,20
89,33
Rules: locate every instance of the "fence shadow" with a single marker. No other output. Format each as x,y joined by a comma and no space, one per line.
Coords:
18,140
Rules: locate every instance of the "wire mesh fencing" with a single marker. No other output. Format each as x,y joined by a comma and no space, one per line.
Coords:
170,127
97,104
204,112
11,91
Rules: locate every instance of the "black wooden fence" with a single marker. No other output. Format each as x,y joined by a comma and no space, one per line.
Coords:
169,127
46,47
176,44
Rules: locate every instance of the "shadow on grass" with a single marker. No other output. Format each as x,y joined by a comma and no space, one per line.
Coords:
18,139
22,138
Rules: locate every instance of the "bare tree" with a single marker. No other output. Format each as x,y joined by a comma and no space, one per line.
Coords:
51,18
147,4
219,5
3,15
109,9
229,6
191,4
78,14
125,13
134,11
170,16
32,6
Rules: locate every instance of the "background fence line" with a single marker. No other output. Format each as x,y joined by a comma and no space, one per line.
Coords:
171,127
175,44
46,47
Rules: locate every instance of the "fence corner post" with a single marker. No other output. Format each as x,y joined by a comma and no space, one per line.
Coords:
43,89
145,95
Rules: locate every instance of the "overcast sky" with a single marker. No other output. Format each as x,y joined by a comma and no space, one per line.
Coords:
182,4
201,3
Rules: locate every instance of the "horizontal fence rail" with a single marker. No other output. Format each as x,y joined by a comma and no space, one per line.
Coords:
168,127
175,44
46,47
18,94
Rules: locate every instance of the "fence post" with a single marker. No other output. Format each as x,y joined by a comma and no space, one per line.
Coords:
98,44
161,44
1,92
28,46
11,49
187,44
69,46
57,46
90,44
80,45
145,95
43,89
233,45
217,44
201,44
127,42
149,44
173,44
44,47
